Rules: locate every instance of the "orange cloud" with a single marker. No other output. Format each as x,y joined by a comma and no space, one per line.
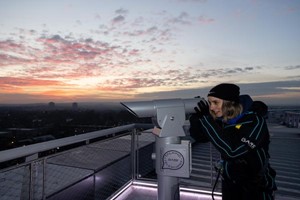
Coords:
21,85
14,81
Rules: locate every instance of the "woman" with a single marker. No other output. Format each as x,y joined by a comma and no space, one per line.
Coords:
241,135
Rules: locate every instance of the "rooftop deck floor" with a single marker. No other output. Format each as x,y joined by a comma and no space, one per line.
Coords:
285,159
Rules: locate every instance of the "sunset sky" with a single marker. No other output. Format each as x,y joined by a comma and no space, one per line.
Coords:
116,50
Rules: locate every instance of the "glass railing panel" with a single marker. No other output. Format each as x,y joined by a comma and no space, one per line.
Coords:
15,183
145,164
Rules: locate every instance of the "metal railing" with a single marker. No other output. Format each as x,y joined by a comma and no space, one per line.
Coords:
96,169
28,151
49,176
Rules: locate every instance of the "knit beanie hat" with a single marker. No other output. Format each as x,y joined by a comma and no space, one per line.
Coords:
226,91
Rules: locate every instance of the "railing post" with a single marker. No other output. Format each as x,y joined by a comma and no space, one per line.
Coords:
31,180
44,179
134,154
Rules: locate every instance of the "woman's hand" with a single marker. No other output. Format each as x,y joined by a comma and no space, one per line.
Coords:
202,109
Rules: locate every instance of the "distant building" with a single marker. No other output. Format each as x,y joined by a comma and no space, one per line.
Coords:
43,138
6,140
292,119
15,137
75,106
51,104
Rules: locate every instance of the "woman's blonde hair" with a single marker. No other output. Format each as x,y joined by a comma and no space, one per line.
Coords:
230,110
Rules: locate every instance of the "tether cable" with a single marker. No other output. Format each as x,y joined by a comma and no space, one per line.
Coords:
216,182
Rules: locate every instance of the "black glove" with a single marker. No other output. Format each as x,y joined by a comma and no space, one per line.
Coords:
202,109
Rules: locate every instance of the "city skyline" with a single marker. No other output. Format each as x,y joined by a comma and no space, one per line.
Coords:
89,51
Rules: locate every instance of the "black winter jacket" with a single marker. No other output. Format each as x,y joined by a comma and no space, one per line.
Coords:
243,144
